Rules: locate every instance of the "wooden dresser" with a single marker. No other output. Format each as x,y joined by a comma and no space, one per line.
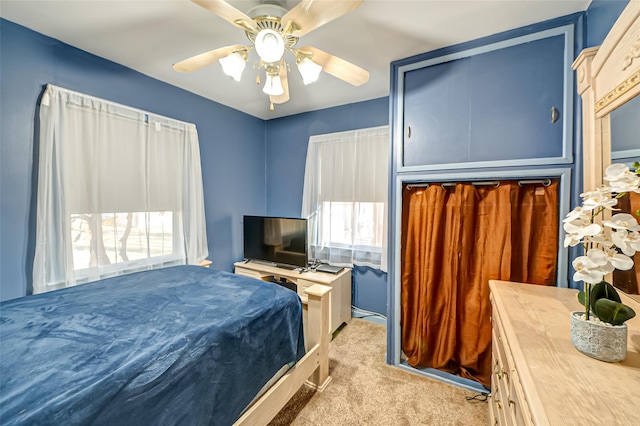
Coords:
540,378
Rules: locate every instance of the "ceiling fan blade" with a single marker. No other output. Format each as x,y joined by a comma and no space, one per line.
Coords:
202,60
338,67
311,14
280,99
228,13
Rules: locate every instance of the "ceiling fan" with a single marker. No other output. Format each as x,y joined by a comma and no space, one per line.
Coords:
273,31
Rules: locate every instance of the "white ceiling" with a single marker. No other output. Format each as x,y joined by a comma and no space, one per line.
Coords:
151,35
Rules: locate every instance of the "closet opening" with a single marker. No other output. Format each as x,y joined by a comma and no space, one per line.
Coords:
455,237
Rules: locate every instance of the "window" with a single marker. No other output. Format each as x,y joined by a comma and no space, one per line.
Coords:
119,190
117,239
345,197
352,224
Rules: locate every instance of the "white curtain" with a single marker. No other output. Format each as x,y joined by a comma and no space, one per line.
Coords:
119,190
345,197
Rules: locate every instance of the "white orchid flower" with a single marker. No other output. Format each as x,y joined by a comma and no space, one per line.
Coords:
620,261
601,240
628,242
598,198
622,221
615,172
603,249
621,179
579,229
626,186
610,259
578,214
633,238
582,229
598,257
587,270
571,240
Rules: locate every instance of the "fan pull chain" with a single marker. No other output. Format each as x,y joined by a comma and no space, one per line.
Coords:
258,79
271,107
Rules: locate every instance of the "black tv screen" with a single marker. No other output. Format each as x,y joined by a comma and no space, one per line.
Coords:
277,240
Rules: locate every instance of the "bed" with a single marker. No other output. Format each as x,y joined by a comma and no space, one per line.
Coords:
179,345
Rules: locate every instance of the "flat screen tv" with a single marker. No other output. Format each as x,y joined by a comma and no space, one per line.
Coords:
278,240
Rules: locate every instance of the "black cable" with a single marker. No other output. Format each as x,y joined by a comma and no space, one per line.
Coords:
479,397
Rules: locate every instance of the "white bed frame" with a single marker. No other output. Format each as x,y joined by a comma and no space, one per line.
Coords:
312,369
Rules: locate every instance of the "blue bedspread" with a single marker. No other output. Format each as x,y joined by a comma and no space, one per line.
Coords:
183,345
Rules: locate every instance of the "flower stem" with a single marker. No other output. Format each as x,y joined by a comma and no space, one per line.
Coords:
587,300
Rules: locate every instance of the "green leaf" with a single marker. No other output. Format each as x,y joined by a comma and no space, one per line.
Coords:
581,296
614,313
603,290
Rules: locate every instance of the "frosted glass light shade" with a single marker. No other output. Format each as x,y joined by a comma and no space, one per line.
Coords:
273,85
309,70
233,65
270,46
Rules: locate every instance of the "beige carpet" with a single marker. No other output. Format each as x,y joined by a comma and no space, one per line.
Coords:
366,391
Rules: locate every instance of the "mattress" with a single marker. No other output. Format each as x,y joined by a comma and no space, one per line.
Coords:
180,345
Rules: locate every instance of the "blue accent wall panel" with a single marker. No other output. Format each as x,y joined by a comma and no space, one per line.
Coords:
436,109
286,152
512,92
231,144
601,15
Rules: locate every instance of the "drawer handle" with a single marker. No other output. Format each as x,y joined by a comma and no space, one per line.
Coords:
408,132
554,114
512,403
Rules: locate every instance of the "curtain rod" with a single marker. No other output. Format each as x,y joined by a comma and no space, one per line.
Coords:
495,183
545,182
146,119
178,123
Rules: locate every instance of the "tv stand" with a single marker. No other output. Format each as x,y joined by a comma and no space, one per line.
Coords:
287,267
339,298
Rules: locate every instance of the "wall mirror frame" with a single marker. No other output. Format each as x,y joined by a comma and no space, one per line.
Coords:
608,77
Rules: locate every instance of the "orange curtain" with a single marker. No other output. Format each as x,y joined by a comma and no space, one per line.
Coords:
454,240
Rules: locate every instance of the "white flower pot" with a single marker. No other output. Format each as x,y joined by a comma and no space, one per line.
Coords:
598,339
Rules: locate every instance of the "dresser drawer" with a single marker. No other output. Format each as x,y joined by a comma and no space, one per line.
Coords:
498,407
500,369
517,403
510,404
493,415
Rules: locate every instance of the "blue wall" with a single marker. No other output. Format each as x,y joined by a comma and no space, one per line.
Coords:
231,144
286,145
601,15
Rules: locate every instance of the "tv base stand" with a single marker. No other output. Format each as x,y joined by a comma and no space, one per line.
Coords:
339,298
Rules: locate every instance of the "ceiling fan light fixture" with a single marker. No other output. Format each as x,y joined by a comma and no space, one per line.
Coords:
273,85
272,29
309,70
233,65
269,45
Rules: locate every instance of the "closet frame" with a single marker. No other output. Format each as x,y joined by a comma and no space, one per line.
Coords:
394,344
559,164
